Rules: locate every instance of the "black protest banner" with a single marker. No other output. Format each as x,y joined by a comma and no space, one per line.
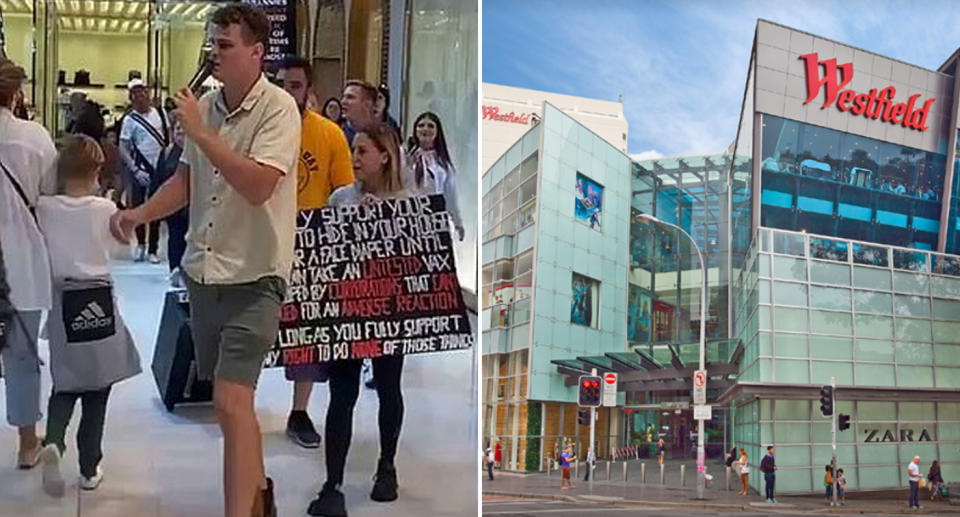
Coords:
372,280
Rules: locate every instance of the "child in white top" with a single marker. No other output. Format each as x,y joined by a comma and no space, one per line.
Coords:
90,347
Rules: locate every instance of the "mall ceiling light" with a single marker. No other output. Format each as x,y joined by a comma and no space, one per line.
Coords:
115,25
125,26
74,6
102,25
131,8
89,7
116,7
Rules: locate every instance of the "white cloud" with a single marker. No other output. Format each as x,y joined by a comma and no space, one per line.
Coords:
652,154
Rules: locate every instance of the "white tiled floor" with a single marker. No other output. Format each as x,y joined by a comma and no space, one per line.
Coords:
169,464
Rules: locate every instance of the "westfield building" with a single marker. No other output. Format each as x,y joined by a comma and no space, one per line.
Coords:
829,232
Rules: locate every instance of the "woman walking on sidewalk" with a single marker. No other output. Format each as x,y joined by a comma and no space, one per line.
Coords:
935,479
744,471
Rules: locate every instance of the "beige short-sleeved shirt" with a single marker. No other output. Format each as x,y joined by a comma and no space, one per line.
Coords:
230,240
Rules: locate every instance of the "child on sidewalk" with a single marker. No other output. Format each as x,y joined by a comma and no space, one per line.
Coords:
841,487
828,484
90,347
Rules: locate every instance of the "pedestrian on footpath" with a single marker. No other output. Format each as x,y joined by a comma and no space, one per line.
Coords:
828,484
914,475
591,460
769,468
935,479
498,455
565,460
489,461
744,471
660,449
841,487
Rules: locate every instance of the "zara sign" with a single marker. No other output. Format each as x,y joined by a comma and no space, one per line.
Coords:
875,104
906,435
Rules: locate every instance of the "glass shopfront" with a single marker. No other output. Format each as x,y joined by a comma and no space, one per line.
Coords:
832,183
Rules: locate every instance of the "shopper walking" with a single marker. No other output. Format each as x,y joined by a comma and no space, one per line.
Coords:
565,460
324,166
591,461
376,166
934,480
431,170
744,471
497,454
913,477
85,363
143,137
661,449
489,460
27,169
769,468
238,176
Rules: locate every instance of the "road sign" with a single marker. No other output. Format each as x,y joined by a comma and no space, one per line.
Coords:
675,405
700,387
610,389
702,412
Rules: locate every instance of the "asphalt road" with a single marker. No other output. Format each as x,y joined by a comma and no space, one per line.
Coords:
507,507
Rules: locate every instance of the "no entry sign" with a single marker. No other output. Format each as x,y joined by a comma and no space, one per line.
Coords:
610,389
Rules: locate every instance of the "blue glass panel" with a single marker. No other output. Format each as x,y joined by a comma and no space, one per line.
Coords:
809,204
926,225
772,197
891,218
861,213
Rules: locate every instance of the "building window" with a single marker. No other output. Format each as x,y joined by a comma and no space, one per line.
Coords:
584,309
589,201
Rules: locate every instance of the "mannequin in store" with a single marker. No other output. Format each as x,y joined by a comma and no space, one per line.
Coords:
324,166
241,187
143,137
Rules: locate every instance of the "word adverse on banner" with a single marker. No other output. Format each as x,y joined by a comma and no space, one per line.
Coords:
372,280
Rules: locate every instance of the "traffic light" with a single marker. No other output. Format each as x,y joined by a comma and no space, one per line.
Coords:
826,400
583,417
843,422
589,391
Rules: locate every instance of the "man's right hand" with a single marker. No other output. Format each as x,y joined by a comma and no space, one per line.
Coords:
122,225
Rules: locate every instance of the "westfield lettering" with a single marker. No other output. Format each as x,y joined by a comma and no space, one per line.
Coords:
493,113
874,104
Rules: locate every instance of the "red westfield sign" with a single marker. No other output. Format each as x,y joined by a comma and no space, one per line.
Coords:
874,104
493,113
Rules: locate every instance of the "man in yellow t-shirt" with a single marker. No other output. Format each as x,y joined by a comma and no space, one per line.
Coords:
325,165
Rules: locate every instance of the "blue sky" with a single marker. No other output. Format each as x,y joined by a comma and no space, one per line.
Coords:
681,66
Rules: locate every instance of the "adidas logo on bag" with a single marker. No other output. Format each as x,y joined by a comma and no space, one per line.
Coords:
91,317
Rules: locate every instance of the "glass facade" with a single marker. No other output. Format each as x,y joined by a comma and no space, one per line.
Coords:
867,321
832,183
874,453
953,222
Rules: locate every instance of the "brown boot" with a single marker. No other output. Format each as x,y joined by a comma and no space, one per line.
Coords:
263,503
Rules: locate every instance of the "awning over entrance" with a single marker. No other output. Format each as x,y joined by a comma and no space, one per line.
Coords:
659,367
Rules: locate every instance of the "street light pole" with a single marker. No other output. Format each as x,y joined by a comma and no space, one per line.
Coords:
701,480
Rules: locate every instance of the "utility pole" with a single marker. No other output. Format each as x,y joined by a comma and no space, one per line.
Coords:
833,440
593,426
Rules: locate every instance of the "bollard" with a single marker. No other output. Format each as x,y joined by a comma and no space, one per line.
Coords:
576,469
624,471
643,472
549,463
608,470
683,475
728,478
661,473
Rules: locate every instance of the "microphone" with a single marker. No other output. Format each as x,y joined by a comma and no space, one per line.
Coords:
206,68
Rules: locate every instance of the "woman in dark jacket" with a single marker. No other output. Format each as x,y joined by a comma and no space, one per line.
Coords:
935,480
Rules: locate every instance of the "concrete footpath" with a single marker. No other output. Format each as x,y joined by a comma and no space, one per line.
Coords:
671,495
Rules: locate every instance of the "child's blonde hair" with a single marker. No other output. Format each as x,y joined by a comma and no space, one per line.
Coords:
80,158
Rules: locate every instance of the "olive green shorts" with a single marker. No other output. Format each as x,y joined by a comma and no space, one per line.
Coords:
233,326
